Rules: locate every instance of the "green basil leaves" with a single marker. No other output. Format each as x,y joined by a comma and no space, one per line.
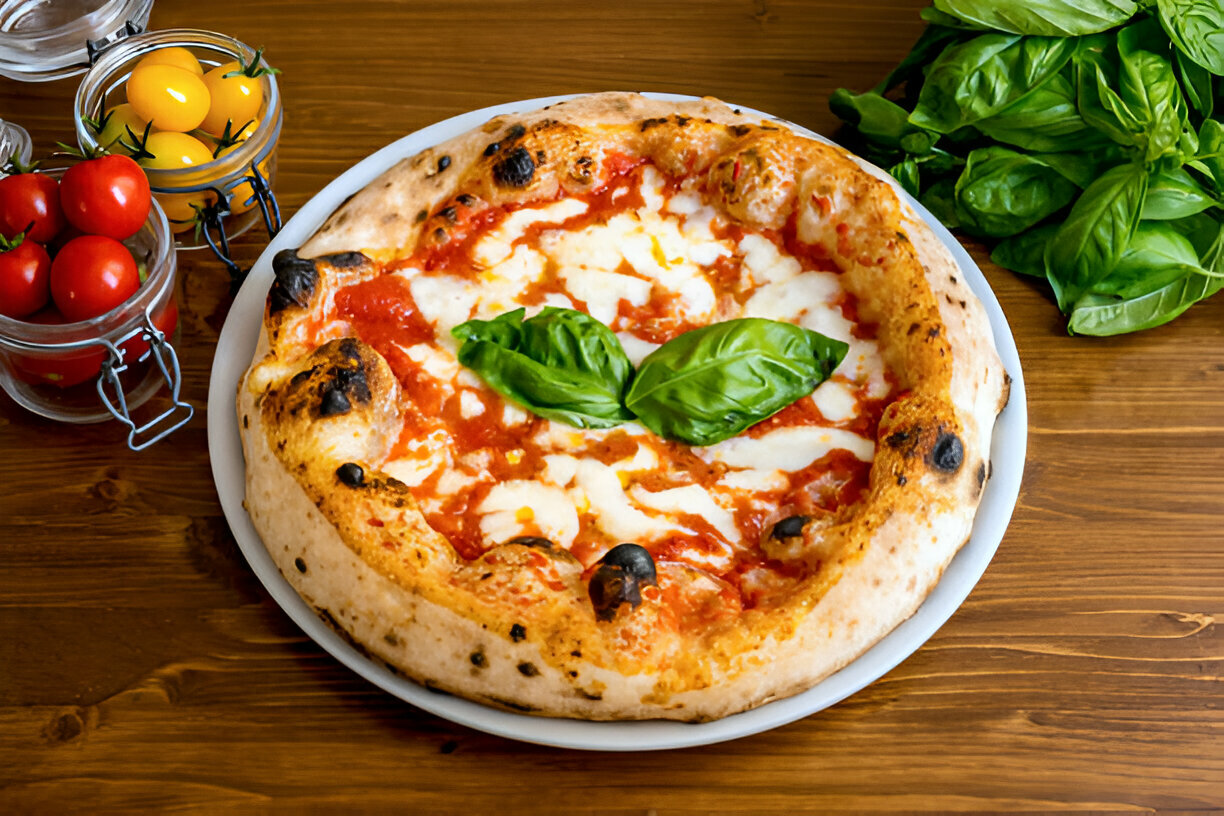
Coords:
709,384
702,387
560,364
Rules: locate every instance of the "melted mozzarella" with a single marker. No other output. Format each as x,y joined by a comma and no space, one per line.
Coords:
603,291
835,401
691,499
497,244
787,449
599,488
635,348
513,507
764,262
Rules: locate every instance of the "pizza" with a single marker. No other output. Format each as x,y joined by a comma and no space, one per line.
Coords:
619,409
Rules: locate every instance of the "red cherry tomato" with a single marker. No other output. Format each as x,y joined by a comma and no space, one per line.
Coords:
92,275
108,196
30,201
61,370
25,272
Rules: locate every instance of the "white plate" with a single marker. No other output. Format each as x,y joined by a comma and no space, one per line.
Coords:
237,344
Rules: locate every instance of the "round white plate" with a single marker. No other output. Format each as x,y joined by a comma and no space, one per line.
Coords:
237,344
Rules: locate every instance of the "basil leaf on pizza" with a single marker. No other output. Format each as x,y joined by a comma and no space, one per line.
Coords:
709,384
561,364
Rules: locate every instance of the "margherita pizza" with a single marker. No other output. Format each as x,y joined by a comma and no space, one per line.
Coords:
620,409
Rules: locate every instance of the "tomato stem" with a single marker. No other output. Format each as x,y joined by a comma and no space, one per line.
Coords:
253,68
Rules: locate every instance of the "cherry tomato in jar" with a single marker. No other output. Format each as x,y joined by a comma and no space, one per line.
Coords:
63,370
118,129
170,97
25,275
166,150
175,55
107,196
237,94
30,201
92,275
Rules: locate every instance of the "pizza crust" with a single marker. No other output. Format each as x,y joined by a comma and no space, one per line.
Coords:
392,600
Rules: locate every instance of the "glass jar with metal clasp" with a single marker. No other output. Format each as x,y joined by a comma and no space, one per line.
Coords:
207,203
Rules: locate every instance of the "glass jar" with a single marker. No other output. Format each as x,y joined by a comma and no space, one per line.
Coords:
14,144
46,40
235,189
105,367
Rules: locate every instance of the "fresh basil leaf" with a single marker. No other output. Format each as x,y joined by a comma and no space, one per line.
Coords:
560,364
979,78
1149,88
1196,27
1095,61
709,384
1025,253
1054,18
1002,192
1047,120
906,174
1153,259
1210,152
877,119
1096,232
1174,194
1203,231
1197,84
936,17
1102,315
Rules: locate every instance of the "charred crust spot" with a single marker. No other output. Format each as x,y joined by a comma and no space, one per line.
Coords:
422,215
465,199
898,439
295,281
948,453
963,304
333,403
584,161
789,527
933,331
246,421
647,124
511,704
589,695
739,131
391,639
576,653
492,148
981,475
449,213
528,669
681,121
619,579
432,685
539,159
901,480
952,278
478,659
443,163
300,564
516,131
344,260
351,474
516,169
901,236
539,542
913,328
440,235
517,632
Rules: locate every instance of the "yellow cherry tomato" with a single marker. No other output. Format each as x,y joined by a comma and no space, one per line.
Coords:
235,99
119,120
171,150
242,196
169,97
177,56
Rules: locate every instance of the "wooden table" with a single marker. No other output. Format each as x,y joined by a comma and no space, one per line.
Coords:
143,666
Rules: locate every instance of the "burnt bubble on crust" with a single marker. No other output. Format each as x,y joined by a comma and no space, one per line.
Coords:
344,382
295,281
538,542
789,527
619,578
515,169
351,474
948,453
344,260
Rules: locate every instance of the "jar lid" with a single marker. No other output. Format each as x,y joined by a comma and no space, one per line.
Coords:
14,144
45,41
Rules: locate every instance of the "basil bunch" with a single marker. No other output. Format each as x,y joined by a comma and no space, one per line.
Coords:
1082,133
702,387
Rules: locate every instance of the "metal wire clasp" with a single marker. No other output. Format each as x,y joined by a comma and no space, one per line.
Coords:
213,217
162,353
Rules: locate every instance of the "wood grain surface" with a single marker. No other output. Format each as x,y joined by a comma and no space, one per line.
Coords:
144,668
